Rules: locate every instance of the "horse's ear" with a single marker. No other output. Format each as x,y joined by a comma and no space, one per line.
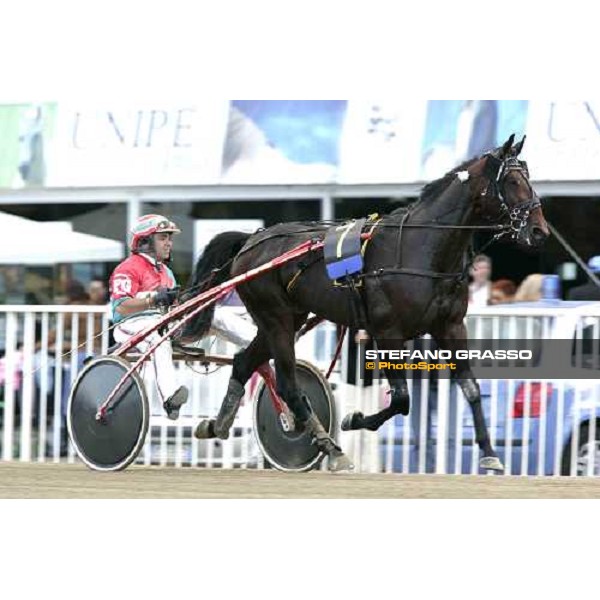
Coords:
507,145
517,149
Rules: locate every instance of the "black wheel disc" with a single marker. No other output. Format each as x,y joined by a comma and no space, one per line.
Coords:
114,442
294,451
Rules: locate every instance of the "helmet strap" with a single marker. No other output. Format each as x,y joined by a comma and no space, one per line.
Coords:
146,245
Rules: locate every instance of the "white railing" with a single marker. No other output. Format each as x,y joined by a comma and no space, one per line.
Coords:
541,427
37,371
438,436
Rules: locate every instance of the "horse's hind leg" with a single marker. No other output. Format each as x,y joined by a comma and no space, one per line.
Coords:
399,400
281,332
244,364
455,338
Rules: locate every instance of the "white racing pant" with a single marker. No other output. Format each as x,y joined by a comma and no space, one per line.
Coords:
161,359
234,325
228,323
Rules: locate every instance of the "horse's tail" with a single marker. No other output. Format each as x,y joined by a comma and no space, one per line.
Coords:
212,268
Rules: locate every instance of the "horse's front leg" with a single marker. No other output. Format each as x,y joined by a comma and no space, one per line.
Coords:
453,338
399,397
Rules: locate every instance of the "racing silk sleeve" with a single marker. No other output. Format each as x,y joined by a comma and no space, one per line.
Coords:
125,283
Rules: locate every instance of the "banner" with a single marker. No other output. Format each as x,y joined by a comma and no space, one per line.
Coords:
264,142
381,141
563,140
458,130
25,130
282,141
154,144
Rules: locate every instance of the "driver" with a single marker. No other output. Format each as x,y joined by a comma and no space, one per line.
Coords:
141,287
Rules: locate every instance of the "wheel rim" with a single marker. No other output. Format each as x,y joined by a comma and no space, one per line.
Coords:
112,444
293,451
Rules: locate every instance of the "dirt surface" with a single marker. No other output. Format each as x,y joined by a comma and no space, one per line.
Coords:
35,480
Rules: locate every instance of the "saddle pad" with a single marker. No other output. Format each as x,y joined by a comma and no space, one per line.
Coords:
342,249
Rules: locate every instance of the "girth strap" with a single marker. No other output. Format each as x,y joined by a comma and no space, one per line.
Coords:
357,306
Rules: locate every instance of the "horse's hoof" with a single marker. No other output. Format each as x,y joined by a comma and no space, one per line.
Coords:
405,407
491,463
349,421
338,461
221,433
205,430
401,401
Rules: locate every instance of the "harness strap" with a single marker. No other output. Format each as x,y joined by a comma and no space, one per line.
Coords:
399,238
415,272
357,306
496,227
375,219
302,267
292,281
251,244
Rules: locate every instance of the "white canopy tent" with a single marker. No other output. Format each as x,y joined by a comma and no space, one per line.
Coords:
26,242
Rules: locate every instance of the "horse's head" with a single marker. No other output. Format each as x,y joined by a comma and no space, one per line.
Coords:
506,195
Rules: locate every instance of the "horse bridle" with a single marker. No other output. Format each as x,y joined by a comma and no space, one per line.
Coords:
496,171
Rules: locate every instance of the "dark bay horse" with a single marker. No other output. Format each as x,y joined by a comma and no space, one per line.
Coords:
414,282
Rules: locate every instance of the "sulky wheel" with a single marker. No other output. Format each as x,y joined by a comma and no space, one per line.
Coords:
112,443
293,450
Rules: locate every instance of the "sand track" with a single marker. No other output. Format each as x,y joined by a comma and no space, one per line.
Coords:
36,480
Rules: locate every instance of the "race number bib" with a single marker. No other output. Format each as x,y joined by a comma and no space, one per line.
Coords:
121,286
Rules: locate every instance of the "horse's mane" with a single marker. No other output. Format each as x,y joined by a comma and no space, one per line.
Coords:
432,190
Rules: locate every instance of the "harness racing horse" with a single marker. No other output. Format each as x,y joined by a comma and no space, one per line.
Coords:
414,282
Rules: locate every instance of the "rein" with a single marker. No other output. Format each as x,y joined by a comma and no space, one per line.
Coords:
497,227
495,171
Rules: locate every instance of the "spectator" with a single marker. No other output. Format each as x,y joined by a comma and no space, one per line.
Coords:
72,346
97,292
480,286
503,291
589,290
530,289
76,296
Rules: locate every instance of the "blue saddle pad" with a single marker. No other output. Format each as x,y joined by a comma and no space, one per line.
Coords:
342,249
